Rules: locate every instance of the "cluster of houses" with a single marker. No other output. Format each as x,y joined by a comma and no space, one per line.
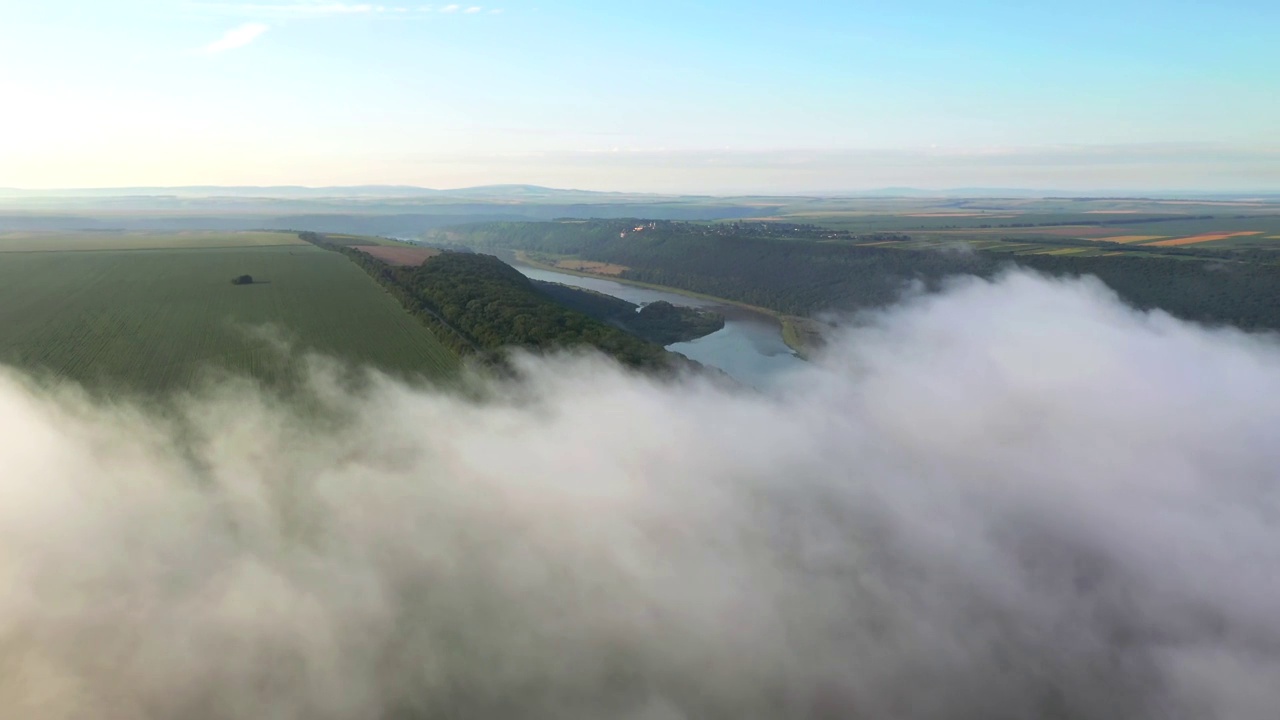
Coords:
639,228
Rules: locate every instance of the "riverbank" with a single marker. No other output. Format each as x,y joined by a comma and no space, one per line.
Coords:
799,334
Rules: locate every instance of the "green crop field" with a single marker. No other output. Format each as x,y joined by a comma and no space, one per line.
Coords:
78,241
146,321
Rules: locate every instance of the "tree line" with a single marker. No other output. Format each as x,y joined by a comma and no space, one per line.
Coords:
801,277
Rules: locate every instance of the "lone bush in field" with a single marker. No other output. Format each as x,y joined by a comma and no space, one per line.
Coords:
243,280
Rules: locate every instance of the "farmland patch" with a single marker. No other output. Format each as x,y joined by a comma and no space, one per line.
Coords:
1197,239
587,266
959,215
148,321
1132,238
91,241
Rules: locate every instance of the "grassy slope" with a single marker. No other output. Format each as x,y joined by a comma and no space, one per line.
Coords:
149,320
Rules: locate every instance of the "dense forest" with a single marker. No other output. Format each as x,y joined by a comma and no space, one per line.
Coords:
658,322
803,277
479,306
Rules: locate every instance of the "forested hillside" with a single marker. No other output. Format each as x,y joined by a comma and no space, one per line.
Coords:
802,276
657,322
480,306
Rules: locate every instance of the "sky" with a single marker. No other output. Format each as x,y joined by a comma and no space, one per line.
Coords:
717,96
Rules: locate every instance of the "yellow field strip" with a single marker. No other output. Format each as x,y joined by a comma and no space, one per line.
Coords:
1197,239
1131,238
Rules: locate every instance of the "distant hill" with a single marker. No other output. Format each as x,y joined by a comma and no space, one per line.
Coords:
1036,193
518,193
278,191
300,191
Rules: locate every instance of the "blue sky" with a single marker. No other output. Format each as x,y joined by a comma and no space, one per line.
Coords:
714,96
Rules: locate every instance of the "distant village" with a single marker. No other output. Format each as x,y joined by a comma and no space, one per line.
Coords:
762,229
640,228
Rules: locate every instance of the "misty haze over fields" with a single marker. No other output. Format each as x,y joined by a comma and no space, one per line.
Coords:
947,516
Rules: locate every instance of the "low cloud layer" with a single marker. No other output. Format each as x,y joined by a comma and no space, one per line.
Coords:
1016,499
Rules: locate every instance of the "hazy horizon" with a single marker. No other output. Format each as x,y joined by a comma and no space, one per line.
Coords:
397,191
716,98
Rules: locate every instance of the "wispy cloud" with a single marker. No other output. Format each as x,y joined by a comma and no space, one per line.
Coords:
334,9
285,10
291,10
235,38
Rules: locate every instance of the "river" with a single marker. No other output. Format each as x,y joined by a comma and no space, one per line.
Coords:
749,348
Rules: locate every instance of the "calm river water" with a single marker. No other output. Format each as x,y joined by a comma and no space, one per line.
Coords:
749,348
